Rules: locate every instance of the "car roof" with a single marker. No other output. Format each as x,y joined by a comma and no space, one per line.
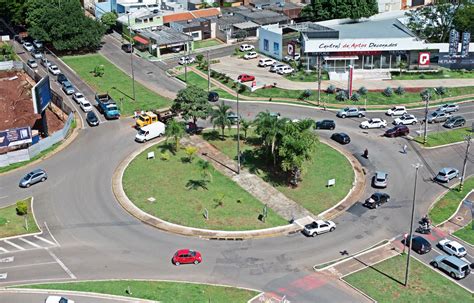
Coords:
455,244
183,251
380,174
39,170
453,259
446,169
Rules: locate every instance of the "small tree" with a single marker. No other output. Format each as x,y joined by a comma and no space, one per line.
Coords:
355,97
21,208
220,118
109,20
192,103
388,92
205,168
341,95
199,58
441,91
175,130
401,66
190,152
245,125
425,94
363,91
400,90
331,89
99,70
242,88
305,94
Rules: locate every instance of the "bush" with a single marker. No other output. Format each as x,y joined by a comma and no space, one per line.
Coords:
236,51
425,94
355,97
242,88
165,156
306,94
331,89
400,90
213,73
388,92
363,91
441,90
21,208
422,76
199,57
341,95
99,70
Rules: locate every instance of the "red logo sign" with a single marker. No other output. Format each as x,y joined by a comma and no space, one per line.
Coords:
423,59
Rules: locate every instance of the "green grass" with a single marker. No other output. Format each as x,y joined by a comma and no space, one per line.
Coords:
466,233
12,224
166,181
442,74
383,282
447,205
167,292
312,192
303,76
445,137
23,163
116,83
200,82
206,43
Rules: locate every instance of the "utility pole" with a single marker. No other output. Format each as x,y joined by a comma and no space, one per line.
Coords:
426,97
131,56
238,134
410,235
208,74
319,79
186,57
466,157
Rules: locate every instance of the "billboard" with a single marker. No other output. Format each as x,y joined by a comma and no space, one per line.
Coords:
453,42
41,93
15,136
423,59
466,39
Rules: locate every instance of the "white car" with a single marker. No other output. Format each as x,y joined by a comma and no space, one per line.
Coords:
373,123
318,227
246,47
250,55
45,62
78,97
57,299
291,58
28,46
53,69
32,63
276,66
452,248
186,60
285,70
85,105
38,44
264,62
406,120
396,111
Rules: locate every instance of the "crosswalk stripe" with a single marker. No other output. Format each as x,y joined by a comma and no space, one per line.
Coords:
44,240
13,244
31,243
3,249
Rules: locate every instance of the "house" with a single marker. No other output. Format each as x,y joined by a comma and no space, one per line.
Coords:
185,16
198,28
289,9
261,4
162,40
260,17
140,19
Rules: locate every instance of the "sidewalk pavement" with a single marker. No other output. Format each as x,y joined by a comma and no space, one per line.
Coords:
461,218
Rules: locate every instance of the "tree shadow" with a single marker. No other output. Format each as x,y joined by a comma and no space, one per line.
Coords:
197,184
258,163
211,136
166,147
123,93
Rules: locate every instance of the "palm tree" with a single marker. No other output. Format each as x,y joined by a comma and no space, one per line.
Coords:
270,129
401,66
175,130
219,117
245,125
205,167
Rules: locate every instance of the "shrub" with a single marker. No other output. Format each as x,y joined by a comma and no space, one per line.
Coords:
165,156
306,94
99,70
400,90
331,89
199,57
355,97
388,92
21,208
213,73
242,88
422,76
341,95
425,94
441,90
190,152
363,91
236,51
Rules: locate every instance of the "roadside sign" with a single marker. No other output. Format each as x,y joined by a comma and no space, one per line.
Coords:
331,182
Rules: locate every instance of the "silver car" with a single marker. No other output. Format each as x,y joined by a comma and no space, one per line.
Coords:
446,174
380,179
33,177
438,116
455,267
449,108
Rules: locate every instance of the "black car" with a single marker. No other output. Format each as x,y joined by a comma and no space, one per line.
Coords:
456,121
127,47
213,97
376,200
92,119
326,124
397,131
62,78
193,129
420,244
341,138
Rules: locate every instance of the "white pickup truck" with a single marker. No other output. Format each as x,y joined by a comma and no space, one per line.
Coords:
452,248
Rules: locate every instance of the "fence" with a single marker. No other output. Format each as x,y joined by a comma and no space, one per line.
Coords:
8,65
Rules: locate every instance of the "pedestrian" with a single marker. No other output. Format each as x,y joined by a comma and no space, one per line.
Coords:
405,148
366,153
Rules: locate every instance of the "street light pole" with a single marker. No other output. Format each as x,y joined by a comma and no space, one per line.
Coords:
319,79
426,98
410,235
238,135
466,157
131,56
208,73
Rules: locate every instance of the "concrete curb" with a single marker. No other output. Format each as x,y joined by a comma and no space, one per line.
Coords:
183,230
438,146
457,209
358,290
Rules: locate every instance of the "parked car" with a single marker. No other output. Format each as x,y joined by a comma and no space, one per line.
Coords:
419,244
38,175
438,116
245,78
456,268
276,66
397,131
53,69
32,63
45,62
36,54
326,124
396,111
289,58
61,78
373,123
318,227
264,62
250,55
246,47
453,248
448,108
68,88
380,179
38,44
127,47
213,97
456,121
342,138
186,256
186,60
176,49
446,174
232,117
28,46
351,112
192,128
57,299
406,120
85,105
285,70
92,118
376,200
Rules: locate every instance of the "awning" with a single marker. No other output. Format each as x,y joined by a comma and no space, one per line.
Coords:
328,58
140,40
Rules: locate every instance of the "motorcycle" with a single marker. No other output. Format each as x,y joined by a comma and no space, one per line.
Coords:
424,229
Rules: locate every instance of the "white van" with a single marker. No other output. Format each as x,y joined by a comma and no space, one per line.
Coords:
150,131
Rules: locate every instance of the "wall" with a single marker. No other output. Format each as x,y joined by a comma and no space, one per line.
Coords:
271,35
389,5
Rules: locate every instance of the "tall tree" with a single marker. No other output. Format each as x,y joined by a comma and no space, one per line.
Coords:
464,18
320,10
220,118
271,130
109,20
13,10
192,103
175,130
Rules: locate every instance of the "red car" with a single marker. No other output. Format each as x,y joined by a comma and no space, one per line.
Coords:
186,256
245,78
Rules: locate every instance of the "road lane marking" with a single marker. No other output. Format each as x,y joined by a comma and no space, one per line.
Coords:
31,243
13,244
3,197
44,240
57,243
28,265
61,264
3,249
3,276
7,259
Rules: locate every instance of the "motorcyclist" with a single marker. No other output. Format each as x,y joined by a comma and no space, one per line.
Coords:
366,153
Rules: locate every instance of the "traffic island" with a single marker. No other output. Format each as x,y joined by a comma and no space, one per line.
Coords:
466,234
444,137
18,219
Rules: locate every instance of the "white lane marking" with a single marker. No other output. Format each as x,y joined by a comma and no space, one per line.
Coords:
13,244
3,276
61,264
3,197
3,249
7,259
45,224
31,243
28,265
44,240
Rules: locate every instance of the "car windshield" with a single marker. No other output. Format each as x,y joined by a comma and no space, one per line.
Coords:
141,132
442,173
375,197
461,249
111,107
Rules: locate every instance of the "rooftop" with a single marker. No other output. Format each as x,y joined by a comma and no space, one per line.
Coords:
164,35
201,13
386,28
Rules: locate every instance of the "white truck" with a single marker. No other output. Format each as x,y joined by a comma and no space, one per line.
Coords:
150,131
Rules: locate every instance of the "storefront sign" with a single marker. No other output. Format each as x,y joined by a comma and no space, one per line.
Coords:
351,45
15,136
291,49
423,59
453,42
466,39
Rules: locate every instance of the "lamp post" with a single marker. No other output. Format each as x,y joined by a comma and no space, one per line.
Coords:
238,134
131,56
466,157
208,73
319,79
425,95
410,235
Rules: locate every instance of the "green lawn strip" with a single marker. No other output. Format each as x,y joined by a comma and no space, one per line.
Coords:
445,137
206,43
312,192
116,83
23,163
12,224
305,76
156,290
466,233
447,205
166,181
442,74
384,283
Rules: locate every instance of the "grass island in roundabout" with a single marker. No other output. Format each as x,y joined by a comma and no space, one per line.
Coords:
176,187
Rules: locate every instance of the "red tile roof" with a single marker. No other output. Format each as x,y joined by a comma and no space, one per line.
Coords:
208,12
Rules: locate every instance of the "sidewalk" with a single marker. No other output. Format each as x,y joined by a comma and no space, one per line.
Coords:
461,218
